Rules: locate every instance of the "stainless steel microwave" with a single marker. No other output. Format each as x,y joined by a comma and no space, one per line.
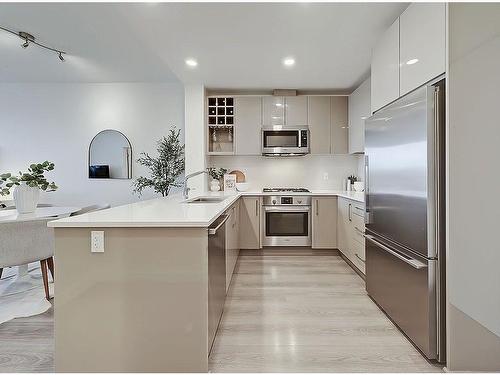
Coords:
285,141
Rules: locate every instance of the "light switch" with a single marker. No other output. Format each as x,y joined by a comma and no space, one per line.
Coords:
97,241
325,176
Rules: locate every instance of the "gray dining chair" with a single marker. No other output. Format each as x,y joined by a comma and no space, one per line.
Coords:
26,242
94,207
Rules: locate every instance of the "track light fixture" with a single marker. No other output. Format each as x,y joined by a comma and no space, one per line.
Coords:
28,38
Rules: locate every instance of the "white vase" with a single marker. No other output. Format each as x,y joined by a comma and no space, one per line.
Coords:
26,198
214,185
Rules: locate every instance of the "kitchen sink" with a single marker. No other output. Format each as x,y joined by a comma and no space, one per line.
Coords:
205,200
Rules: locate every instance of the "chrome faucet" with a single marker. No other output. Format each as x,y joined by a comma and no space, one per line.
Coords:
186,189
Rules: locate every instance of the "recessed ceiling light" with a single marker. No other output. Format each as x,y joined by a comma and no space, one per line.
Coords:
412,61
191,62
289,61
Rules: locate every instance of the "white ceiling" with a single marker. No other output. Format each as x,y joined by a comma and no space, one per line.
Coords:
237,45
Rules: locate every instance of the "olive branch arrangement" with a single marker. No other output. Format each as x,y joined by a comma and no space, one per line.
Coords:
34,177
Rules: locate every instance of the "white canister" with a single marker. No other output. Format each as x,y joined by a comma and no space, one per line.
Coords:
348,185
214,185
26,198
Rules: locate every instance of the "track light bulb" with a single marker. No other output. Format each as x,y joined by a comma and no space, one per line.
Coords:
26,43
61,56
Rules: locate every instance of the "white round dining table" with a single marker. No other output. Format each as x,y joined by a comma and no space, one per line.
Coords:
41,213
22,280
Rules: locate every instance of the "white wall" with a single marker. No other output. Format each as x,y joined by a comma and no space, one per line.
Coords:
195,130
474,137
302,171
56,122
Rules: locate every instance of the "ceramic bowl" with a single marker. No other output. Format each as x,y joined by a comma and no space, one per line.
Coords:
359,186
242,186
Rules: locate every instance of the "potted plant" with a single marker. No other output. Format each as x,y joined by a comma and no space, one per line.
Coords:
217,174
27,186
165,169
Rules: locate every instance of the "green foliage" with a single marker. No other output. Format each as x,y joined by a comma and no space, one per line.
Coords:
216,173
34,177
165,169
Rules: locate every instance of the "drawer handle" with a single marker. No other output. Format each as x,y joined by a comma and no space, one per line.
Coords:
357,256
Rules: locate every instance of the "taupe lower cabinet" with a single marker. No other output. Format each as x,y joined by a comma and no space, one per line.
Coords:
250,211
232,241
350,229
324,222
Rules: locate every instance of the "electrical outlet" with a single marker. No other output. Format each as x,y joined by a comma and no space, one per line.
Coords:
97,241
325,176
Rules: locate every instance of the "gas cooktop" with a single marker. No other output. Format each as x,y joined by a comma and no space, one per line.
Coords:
285,190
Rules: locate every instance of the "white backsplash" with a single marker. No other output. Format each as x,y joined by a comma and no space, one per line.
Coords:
302,171
361,167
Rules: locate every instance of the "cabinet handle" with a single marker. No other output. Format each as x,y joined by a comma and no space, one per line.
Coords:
357,256
350,211
317,208
257,207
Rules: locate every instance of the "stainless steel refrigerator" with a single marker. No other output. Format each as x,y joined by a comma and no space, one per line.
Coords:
405,204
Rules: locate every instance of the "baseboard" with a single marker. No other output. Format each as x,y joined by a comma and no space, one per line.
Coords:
361,274
289,251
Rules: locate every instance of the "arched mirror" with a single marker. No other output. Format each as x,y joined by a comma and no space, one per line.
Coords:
110,156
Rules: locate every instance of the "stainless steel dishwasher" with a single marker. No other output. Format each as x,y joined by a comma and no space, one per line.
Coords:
216,275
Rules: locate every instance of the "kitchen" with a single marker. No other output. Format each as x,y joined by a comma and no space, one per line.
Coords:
287,129
338,198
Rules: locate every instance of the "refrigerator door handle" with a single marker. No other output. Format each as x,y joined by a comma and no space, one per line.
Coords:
412,262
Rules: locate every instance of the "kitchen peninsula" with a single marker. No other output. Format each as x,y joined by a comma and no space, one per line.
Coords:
141,305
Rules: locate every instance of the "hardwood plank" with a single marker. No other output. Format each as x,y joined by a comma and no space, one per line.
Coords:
306,313
27,344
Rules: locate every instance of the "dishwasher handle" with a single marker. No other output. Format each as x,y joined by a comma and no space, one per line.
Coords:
212,231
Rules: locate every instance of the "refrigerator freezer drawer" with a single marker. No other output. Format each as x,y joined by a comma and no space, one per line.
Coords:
405,290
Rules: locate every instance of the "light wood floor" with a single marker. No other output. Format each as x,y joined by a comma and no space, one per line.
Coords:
306,314
27,344
284,313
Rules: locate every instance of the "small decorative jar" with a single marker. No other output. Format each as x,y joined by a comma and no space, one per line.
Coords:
214,185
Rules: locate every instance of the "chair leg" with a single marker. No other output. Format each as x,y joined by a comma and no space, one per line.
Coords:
45,276
50,264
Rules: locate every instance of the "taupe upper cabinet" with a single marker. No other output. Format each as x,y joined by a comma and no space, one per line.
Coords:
339,124
359,110
295,110
411,53
319,124
273,110
279,110
422,49
248,117
385,69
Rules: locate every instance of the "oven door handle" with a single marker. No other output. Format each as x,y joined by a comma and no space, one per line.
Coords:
287,208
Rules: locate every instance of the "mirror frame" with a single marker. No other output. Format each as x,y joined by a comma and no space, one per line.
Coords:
131,158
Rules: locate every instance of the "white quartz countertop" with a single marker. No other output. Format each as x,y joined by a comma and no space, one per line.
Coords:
173,211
